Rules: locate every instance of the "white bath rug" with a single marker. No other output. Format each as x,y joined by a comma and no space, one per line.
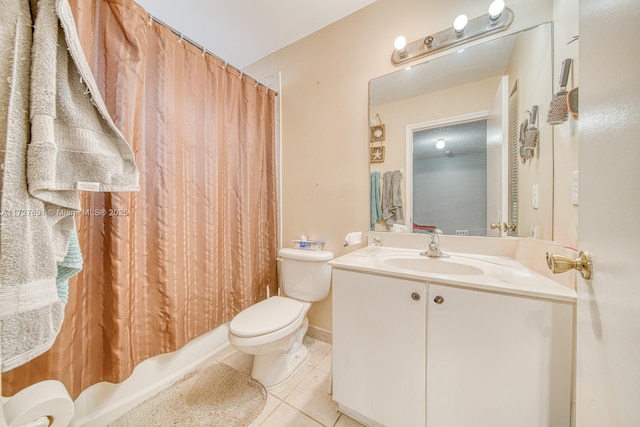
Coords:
216,395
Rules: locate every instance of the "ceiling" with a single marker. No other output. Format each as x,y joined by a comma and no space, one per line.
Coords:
468,138
244,31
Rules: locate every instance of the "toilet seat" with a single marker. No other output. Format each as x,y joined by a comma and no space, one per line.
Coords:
267,316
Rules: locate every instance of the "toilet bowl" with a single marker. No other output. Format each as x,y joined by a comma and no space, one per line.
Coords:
272,330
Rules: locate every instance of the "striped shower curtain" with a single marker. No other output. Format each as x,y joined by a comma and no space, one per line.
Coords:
198,243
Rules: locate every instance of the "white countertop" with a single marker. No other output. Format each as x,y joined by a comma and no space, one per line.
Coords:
500,274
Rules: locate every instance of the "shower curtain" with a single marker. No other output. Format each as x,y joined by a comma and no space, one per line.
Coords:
198,243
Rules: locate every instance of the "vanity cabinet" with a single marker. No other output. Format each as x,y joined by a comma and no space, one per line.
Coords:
411,353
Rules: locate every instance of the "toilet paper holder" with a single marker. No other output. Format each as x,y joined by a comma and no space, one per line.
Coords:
353,238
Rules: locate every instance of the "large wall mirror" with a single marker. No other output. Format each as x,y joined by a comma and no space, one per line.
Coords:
454,130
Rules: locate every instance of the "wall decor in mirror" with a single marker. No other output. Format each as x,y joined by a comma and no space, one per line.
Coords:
376,154
377,133
376,130
454,130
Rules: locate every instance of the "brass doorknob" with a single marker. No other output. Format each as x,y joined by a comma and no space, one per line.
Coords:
560,263
506,227
494,226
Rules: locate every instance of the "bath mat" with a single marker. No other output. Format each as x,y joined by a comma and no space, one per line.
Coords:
216,395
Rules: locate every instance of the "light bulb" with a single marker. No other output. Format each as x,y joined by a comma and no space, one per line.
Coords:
495,9
460,23
400,43
440,144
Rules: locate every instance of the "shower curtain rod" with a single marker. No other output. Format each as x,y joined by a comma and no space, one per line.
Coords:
204,50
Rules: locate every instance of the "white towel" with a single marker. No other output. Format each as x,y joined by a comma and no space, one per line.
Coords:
55,137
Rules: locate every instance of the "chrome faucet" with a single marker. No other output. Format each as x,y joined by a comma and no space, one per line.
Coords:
433,248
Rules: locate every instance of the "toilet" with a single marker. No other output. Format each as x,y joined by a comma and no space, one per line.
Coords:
272,330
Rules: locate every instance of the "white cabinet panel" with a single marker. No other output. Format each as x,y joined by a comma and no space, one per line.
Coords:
379,347
497,361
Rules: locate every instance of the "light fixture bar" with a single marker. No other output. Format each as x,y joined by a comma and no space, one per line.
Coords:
476,27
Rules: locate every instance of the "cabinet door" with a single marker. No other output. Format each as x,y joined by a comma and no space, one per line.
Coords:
379,348
497,361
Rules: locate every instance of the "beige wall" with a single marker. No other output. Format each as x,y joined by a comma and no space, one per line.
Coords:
325,164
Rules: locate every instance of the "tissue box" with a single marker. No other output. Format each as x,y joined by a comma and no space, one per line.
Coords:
310,245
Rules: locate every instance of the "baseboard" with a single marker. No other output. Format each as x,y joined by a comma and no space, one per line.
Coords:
105,402
320,334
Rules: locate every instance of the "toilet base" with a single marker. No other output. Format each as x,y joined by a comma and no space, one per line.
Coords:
273,368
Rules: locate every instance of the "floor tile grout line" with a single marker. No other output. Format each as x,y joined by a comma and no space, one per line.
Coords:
299,382
272,411
305,414
301,410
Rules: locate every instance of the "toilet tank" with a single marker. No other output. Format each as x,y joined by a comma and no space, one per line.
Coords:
305,274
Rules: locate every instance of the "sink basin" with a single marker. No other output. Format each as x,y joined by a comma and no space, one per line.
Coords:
433,265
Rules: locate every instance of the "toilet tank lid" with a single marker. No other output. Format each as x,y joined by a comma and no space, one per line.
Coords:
305,255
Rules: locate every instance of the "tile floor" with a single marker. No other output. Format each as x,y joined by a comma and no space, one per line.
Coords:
302,400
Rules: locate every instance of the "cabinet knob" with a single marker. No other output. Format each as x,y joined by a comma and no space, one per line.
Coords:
438,300
415,296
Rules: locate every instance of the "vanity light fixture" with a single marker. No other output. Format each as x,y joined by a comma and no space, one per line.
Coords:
464,30
440,143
